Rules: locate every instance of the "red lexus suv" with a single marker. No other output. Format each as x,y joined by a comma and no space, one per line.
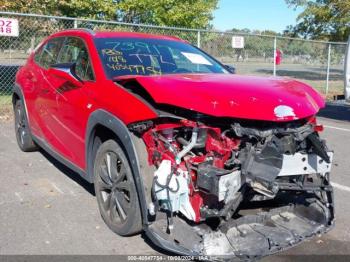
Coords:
205,161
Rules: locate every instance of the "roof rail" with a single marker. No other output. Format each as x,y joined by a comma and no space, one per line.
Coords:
87,30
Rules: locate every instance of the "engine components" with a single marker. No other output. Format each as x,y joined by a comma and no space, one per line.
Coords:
218,182
201,170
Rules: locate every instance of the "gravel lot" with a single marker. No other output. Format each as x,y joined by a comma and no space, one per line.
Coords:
46,209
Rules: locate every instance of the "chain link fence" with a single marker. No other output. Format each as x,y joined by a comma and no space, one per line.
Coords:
320,64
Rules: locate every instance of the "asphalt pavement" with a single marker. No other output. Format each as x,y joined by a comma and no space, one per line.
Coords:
46,209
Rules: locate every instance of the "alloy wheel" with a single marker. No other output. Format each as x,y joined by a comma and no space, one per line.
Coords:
114,188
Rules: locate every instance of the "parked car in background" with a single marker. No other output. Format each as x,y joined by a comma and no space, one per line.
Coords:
206,162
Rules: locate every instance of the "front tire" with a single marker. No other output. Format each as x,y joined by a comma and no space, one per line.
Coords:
23,135
115,190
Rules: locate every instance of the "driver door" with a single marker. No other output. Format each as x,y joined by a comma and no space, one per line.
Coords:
69,108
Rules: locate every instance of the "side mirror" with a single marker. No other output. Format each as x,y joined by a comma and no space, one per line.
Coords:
230,68
66,71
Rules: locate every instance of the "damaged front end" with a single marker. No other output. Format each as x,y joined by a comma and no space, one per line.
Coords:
237,188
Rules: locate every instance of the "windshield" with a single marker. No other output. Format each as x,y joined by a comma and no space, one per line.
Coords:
138,56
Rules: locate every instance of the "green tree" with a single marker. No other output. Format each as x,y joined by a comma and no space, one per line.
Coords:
73,8
322,19
185,13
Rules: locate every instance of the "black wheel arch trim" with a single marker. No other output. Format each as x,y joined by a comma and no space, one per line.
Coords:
17,90
108,120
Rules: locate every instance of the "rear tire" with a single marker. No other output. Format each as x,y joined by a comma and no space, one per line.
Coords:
23,134
115,190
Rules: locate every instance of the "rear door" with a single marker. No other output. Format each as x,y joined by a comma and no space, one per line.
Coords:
29,84
44,88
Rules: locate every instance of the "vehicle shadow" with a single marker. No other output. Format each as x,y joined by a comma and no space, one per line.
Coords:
69,173
336,111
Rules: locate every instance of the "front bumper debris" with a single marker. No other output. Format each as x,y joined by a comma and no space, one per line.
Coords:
251,236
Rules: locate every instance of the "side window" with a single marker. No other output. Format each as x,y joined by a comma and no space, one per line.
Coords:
74,51
50,52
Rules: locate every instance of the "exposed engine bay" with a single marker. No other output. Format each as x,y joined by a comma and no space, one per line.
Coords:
225,187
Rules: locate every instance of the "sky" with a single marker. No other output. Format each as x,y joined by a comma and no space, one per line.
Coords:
254,14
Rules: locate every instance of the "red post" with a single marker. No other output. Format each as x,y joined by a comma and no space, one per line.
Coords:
278,57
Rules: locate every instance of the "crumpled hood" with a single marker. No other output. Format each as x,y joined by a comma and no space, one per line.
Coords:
227,95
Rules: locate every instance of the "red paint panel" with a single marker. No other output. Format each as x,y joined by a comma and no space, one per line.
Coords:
227,95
